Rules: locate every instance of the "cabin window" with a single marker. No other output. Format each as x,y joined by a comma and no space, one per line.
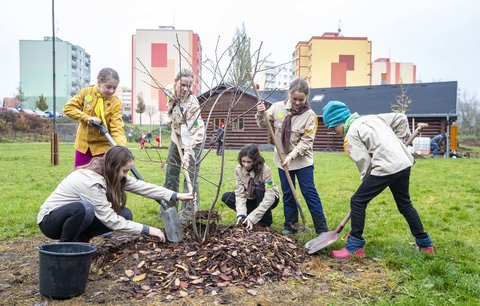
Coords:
216,122
237,124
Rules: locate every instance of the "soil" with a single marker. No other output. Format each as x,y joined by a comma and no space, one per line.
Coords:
234,268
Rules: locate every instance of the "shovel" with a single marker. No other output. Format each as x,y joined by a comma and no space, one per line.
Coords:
173,227
325,239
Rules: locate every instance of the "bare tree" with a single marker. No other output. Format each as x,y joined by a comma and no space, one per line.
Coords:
151,110
402,101
469,114
140,106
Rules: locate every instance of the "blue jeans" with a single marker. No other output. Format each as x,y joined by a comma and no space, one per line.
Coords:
310,194
435,148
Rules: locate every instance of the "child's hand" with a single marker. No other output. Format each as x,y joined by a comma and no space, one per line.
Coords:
185,197
286,161
240,219
248,224
157,233
261,107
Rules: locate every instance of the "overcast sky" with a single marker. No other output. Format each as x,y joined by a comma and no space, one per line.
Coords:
438,36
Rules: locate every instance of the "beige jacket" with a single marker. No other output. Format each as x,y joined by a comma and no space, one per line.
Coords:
187,112
242,177
84,184
375,144
304,127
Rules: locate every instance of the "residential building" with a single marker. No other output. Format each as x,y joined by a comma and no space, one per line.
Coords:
72,71
161,53
274,76
385,72
332,60
125,95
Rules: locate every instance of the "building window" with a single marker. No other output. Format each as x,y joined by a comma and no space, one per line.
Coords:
216,122
237,124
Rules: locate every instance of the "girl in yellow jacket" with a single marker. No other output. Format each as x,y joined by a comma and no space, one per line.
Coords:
96,104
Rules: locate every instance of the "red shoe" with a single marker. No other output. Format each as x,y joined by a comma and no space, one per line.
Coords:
344,254
428,250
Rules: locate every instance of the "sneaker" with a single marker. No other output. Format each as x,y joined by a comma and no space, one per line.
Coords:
288,232
428,250
344,254
107,235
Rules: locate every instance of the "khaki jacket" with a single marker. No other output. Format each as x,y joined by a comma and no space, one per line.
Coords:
375,144
81,107
187,112
242,177
304,128
85,184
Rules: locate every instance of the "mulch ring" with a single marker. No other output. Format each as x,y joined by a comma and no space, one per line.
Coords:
145,268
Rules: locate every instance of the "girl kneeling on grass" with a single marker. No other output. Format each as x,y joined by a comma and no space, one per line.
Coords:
255,194
375,144
91,200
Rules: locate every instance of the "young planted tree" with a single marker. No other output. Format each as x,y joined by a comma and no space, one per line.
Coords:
140,106
41,103
20,96
239,52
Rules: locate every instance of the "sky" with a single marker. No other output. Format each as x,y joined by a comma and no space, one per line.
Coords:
438,36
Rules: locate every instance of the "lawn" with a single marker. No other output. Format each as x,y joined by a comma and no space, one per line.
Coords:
445,193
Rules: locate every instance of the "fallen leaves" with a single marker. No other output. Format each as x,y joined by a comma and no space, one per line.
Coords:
232,256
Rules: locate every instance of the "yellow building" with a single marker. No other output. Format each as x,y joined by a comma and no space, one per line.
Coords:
332,60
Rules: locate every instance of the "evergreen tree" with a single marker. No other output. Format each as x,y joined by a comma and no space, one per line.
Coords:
239,52
41,103
140,106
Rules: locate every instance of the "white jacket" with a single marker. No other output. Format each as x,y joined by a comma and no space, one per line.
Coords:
375,144
85,184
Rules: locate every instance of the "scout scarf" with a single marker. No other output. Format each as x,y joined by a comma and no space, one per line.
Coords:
287,125
100,109
349,122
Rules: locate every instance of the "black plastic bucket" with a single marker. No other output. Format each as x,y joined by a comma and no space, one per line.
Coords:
64,268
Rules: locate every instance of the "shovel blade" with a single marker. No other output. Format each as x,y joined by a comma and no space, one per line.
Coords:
173,227
323,240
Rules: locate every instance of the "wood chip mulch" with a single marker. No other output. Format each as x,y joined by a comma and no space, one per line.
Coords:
144,267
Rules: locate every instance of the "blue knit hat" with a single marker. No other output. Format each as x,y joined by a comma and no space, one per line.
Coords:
335,113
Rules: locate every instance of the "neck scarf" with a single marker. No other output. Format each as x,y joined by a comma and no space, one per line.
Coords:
349,121
287,125
100,109
251,189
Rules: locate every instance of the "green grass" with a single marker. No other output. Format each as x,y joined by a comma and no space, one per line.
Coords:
445,192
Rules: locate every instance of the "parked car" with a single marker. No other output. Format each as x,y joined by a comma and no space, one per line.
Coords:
29,112
50,114
41,113
8,109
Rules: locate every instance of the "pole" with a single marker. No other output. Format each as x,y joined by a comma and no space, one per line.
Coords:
54,138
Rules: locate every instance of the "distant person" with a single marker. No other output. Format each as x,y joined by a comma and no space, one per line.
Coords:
188,129
96,104
91,200
219,138
375,144
295,125
436,143
158,140
255,193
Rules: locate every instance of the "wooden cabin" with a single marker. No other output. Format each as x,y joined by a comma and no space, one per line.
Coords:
433,103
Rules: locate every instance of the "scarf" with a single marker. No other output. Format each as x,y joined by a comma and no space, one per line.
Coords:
349,121
100,109
251,189
287,125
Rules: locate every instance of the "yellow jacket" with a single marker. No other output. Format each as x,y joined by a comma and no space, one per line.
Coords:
81,107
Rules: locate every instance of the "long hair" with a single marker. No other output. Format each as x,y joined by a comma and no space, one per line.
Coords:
251,151
116,158
299,85
107,73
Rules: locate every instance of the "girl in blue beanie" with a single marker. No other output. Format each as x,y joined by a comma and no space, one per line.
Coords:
375,144
295,126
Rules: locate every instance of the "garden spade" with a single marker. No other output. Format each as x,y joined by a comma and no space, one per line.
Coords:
173,227
325,239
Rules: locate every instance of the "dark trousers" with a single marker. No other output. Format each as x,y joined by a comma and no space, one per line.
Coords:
229,199
373,186
76,222
310,194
